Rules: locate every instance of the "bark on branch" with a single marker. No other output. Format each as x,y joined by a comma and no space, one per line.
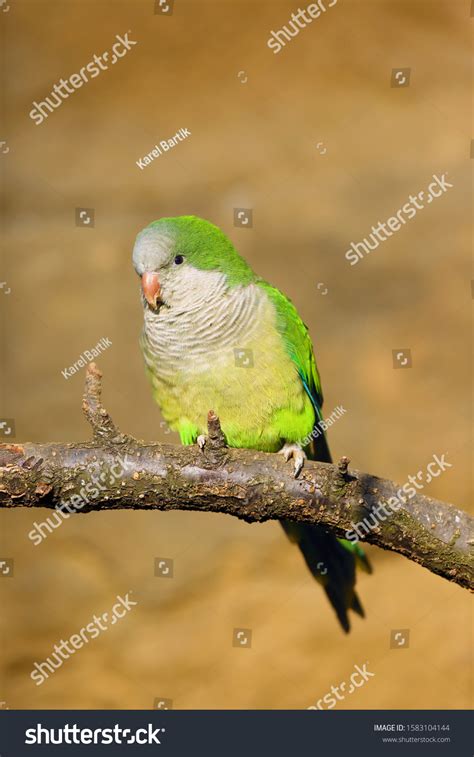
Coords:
115,471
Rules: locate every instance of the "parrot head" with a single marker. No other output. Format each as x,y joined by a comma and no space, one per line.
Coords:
182,261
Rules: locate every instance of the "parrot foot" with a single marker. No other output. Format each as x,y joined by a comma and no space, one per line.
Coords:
201,441
296,452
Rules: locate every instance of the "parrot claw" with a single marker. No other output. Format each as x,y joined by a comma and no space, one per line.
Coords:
294,451
201,441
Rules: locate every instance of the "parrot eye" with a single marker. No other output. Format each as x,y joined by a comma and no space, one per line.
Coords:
179,259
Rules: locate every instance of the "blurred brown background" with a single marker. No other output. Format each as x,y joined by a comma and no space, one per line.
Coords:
253,145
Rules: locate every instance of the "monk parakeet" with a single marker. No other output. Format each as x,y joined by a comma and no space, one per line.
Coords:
218,337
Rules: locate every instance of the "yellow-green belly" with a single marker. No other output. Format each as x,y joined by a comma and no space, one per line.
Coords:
254,388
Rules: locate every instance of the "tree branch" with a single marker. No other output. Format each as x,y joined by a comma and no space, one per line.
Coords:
115,471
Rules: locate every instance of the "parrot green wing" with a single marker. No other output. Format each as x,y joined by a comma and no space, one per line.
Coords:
297,341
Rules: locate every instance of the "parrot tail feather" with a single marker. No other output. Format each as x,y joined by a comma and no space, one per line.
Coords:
338,606
357,607
359,554
332,564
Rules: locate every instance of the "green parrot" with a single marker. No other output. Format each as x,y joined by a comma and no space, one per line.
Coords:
217,336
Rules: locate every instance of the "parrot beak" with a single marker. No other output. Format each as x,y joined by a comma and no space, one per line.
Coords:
151,288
